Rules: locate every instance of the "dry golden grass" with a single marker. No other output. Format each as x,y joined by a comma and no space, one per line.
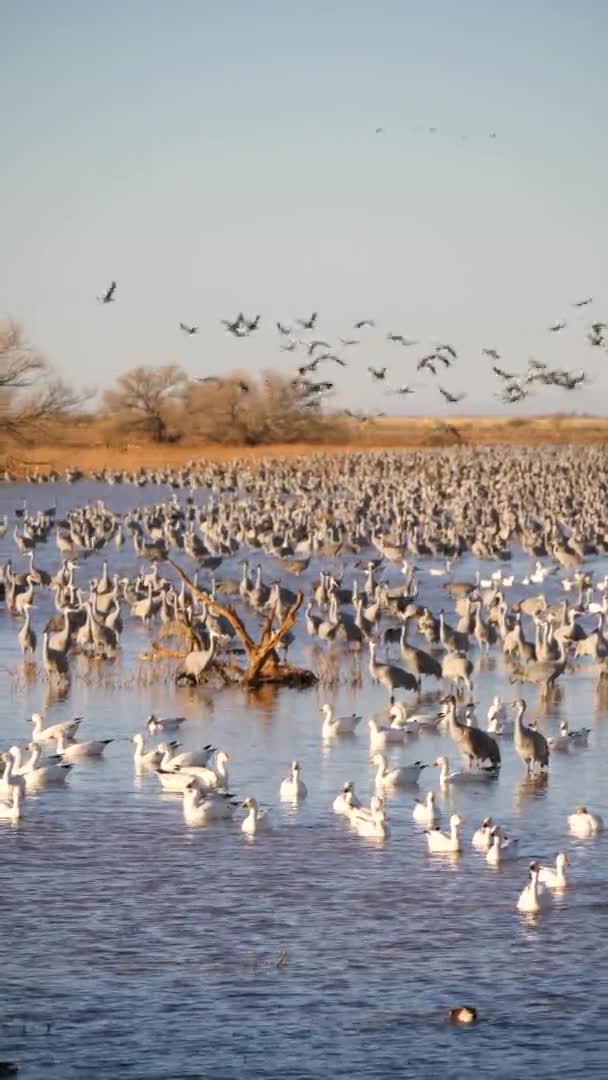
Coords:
86,445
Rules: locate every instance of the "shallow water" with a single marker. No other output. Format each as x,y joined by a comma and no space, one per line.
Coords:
135,946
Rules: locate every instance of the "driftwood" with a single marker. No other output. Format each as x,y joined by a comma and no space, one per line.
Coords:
263,663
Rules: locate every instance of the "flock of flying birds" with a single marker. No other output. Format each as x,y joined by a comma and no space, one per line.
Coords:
313,351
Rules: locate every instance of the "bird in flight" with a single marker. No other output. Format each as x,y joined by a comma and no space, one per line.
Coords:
452,398
188,329
364,322
503,374
427,362
253,325
402,390
492,354
108,296
377,373
236,327
583,303
308,324
449,349
349,341
557,326
285,330
318,345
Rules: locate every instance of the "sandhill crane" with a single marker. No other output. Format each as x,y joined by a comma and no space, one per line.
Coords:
389,675
543,673
450,638
417,661
457,668
530,745
55,663
475,744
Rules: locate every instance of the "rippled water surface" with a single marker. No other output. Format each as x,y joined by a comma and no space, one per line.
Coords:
134,946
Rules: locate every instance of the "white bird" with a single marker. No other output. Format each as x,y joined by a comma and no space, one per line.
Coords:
482,837
150,758
577,738
171,761
11,777
449,842
202,807
42,775
535,897
291,786
12,811
79,751
375,826
410,724
346,800
583,823
375,803
337,725
463,776
169,723
402,776
561,742
501,848
42,734
381,736
426,813
216,777
554,877
256,820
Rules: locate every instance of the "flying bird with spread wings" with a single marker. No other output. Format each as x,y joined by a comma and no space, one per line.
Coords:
108,296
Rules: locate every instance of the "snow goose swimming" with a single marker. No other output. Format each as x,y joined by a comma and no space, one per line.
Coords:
463,776
554,877
346,800
502,848
42,734
583,823
256,820
38,774
149,758
426,813
80,751
398,777
202,807
337,725
170,723
445,842
535,897
381,736
482,837
292,787
12,811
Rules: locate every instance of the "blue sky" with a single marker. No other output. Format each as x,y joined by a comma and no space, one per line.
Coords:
221,156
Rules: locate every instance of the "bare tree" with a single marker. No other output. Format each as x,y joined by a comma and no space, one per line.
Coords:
239,409
30,397
143,396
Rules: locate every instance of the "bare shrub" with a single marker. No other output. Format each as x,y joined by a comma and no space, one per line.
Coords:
142,399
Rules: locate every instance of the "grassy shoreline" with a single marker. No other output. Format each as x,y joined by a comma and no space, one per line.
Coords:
84,446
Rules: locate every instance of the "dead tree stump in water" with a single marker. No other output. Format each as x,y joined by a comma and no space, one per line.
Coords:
263,662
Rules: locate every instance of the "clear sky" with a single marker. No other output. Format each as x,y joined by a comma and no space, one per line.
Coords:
219,156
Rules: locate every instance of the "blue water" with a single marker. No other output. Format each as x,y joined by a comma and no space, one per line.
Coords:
134,946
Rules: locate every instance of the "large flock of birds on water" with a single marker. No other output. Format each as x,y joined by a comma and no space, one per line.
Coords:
369,534
300,338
